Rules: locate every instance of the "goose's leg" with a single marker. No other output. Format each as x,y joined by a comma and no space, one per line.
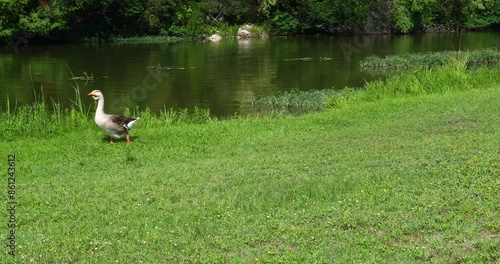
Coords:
111,140
128,138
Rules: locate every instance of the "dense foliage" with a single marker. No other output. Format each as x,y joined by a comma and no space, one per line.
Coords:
77,19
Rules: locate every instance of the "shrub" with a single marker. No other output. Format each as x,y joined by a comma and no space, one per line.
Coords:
284,23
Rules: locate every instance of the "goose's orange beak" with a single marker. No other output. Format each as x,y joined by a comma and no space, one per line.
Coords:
90,94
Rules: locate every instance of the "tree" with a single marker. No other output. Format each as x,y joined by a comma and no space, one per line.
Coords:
233,11
31,17
483,14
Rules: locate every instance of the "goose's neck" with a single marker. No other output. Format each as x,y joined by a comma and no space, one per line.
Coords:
100,106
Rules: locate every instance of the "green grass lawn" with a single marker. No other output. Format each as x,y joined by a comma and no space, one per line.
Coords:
398,179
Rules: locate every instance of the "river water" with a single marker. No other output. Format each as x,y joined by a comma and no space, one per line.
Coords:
224,76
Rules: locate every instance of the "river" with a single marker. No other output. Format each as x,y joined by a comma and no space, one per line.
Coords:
224,76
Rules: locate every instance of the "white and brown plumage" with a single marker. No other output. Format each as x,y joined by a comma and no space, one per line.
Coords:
115,126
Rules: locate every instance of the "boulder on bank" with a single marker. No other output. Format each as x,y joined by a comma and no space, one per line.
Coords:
245,32
215,37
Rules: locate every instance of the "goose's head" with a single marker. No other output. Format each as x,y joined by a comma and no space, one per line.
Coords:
96,94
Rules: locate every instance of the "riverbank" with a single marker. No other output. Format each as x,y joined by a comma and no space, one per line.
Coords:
249,31
404,170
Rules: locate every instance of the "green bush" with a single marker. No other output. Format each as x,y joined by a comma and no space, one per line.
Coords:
284,23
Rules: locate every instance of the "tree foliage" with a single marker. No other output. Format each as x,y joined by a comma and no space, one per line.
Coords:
77,19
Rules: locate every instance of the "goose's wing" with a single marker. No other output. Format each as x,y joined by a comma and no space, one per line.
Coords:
123,121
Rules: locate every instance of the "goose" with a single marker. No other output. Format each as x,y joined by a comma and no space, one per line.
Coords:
115,126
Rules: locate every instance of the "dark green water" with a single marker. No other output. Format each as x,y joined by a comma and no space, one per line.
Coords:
223,76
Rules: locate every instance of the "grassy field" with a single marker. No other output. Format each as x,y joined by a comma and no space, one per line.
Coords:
403,171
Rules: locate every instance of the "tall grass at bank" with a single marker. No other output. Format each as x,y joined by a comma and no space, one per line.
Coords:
42,119
475,58
427,81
